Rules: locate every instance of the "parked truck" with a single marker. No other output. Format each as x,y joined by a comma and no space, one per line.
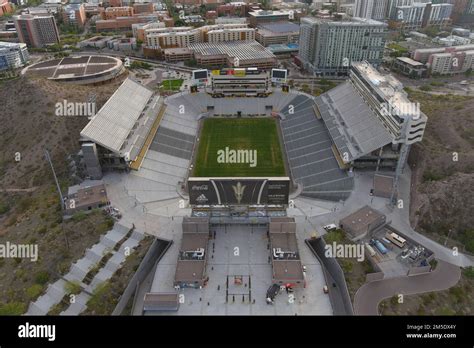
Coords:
380,247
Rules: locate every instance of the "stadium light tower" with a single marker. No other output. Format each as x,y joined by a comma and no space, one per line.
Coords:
402,160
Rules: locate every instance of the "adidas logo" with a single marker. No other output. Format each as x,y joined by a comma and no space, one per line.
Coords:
201,198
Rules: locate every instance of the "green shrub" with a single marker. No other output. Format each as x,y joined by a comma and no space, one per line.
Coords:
4,208
34,291
79,216
12,308
426,88
469,272
42,277
72,288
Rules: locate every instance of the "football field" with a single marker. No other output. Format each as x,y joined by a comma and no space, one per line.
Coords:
239,147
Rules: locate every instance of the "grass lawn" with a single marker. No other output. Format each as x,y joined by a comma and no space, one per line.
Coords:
239,134
171,85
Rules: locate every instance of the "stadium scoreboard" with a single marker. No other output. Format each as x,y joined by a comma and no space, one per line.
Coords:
239,191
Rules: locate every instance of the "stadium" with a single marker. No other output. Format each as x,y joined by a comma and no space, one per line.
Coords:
78,69
219,167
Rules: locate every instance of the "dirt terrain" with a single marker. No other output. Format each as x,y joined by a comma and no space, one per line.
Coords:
29,123
458,300
29,204
442,165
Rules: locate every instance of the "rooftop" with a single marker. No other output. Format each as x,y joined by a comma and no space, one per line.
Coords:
194,241
87,193
288,271
360,219
188,271
354,21
265,13
389,88
236,49
279,27
114,122
160,302
410,61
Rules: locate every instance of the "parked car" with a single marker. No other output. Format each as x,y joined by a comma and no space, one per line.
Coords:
330,227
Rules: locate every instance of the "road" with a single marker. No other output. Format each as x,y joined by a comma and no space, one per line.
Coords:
368,297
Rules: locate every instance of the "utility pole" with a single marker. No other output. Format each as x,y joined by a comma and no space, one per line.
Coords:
48,158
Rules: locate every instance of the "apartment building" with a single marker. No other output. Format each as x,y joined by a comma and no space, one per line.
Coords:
114,12
451,62
422,14
423,55
171,37
36,31
328,47
5,7
159,37
227,32
374,9
13,55
74,14
124,23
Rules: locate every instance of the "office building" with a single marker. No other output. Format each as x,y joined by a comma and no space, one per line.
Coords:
328,47
36,31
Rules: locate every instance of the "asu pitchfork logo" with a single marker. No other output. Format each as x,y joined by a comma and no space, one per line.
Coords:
239,191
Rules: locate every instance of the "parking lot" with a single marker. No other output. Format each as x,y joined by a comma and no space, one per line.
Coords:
397,261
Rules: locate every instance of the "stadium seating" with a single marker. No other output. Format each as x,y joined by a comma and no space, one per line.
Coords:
308,147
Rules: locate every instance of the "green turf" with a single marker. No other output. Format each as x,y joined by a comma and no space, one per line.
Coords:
239,134
171,85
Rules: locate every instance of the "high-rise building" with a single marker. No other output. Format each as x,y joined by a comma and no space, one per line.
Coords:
36,31
13,55
329,47
375,9
363,8
380,9
421,14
